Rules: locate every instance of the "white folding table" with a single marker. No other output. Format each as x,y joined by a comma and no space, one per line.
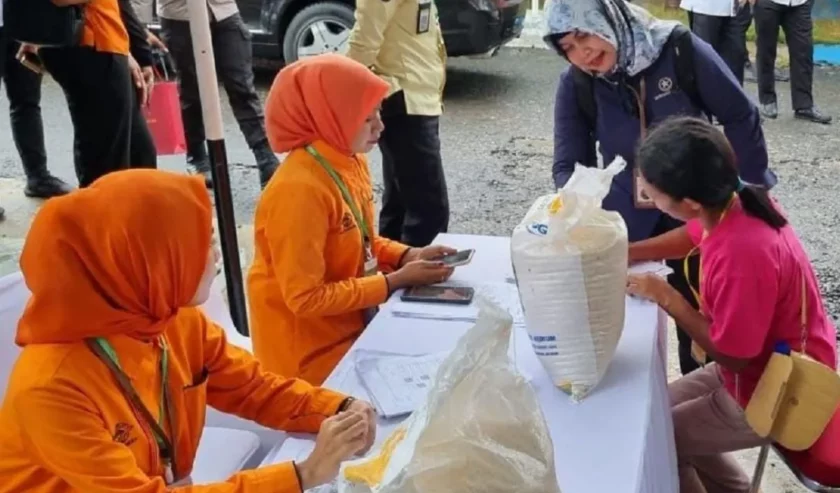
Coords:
619,439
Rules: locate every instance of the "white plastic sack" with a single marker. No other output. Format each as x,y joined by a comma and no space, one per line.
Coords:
570,260
481,429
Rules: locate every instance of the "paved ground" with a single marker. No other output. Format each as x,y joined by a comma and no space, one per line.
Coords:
497,146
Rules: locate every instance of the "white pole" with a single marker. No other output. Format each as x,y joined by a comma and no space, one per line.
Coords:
205,68
214,130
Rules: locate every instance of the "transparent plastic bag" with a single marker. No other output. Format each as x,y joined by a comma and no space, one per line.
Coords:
570,260
481,429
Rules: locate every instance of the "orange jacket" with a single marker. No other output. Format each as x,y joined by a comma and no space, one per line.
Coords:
305,292
103,29
65,428
128,274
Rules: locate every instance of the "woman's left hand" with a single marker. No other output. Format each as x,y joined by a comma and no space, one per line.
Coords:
433,252
648,286
369,412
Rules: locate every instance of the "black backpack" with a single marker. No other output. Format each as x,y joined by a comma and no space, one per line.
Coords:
681,43
42,23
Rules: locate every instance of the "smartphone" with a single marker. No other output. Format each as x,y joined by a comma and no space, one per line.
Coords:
455,295
458,259
31,61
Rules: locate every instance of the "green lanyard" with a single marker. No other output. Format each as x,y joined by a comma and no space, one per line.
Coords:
103,349
360,220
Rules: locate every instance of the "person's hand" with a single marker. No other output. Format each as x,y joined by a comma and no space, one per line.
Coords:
27,48
649,286
155,42
419,273
149,79
139,79
369,412
433,252
341,437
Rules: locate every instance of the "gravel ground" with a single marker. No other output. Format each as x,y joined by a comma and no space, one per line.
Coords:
497,147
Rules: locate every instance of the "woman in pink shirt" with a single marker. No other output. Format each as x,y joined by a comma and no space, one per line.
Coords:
752,277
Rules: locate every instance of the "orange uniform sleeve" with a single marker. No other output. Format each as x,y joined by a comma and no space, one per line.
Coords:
237,385
296,232
66,435
388,252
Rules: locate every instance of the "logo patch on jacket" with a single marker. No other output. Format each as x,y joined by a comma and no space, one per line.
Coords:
122,434
347,222
665,86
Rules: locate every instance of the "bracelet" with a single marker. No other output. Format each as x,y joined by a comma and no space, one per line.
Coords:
402,257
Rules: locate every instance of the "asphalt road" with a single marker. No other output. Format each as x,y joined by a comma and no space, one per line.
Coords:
496,136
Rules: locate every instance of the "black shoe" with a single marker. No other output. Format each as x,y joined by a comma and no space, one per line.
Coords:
267,162
200,166
770,110
198,163
812,115
44,187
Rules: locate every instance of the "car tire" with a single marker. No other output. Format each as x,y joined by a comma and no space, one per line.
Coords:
333,16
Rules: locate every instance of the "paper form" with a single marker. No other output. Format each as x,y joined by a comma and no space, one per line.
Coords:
398,384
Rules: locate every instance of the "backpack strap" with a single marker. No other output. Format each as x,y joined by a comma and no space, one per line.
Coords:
682,43
585,95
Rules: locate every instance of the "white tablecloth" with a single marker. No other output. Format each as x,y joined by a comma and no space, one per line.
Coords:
619,439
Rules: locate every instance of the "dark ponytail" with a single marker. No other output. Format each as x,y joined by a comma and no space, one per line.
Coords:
757,203
688,158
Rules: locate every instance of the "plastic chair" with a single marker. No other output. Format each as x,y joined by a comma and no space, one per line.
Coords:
817,468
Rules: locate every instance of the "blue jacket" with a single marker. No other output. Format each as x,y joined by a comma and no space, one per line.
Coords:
618,129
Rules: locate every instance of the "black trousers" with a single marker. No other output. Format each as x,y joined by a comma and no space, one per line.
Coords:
798,28
415,204
233,56
745,20
727,36
23,89
110,132
683,285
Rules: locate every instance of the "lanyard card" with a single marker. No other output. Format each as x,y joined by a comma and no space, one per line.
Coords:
424,16
640,199
371,263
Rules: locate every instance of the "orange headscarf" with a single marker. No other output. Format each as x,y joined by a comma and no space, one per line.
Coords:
325,97
119,257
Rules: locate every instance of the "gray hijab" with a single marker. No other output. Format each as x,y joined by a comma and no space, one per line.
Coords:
638,38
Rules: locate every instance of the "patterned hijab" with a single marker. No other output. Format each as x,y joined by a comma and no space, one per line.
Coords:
638,37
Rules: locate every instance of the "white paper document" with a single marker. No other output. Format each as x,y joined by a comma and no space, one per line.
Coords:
658,268
506,295
397,384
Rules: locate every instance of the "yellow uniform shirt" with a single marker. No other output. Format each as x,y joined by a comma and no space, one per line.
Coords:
401,41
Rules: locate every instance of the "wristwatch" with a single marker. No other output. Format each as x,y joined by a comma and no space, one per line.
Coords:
345,404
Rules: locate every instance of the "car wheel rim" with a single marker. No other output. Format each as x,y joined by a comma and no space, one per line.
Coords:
323,36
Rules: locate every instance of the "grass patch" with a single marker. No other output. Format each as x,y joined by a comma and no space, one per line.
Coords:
826,31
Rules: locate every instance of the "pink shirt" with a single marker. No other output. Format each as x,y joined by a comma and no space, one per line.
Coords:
751,292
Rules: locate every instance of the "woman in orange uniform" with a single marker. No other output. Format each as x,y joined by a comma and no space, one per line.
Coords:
318,270
119,364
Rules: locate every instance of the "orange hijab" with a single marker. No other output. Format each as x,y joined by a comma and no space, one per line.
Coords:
119,257
325,97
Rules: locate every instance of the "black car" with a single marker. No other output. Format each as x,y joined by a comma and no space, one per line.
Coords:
290,29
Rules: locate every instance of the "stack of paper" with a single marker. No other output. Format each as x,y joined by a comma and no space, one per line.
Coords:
398,384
